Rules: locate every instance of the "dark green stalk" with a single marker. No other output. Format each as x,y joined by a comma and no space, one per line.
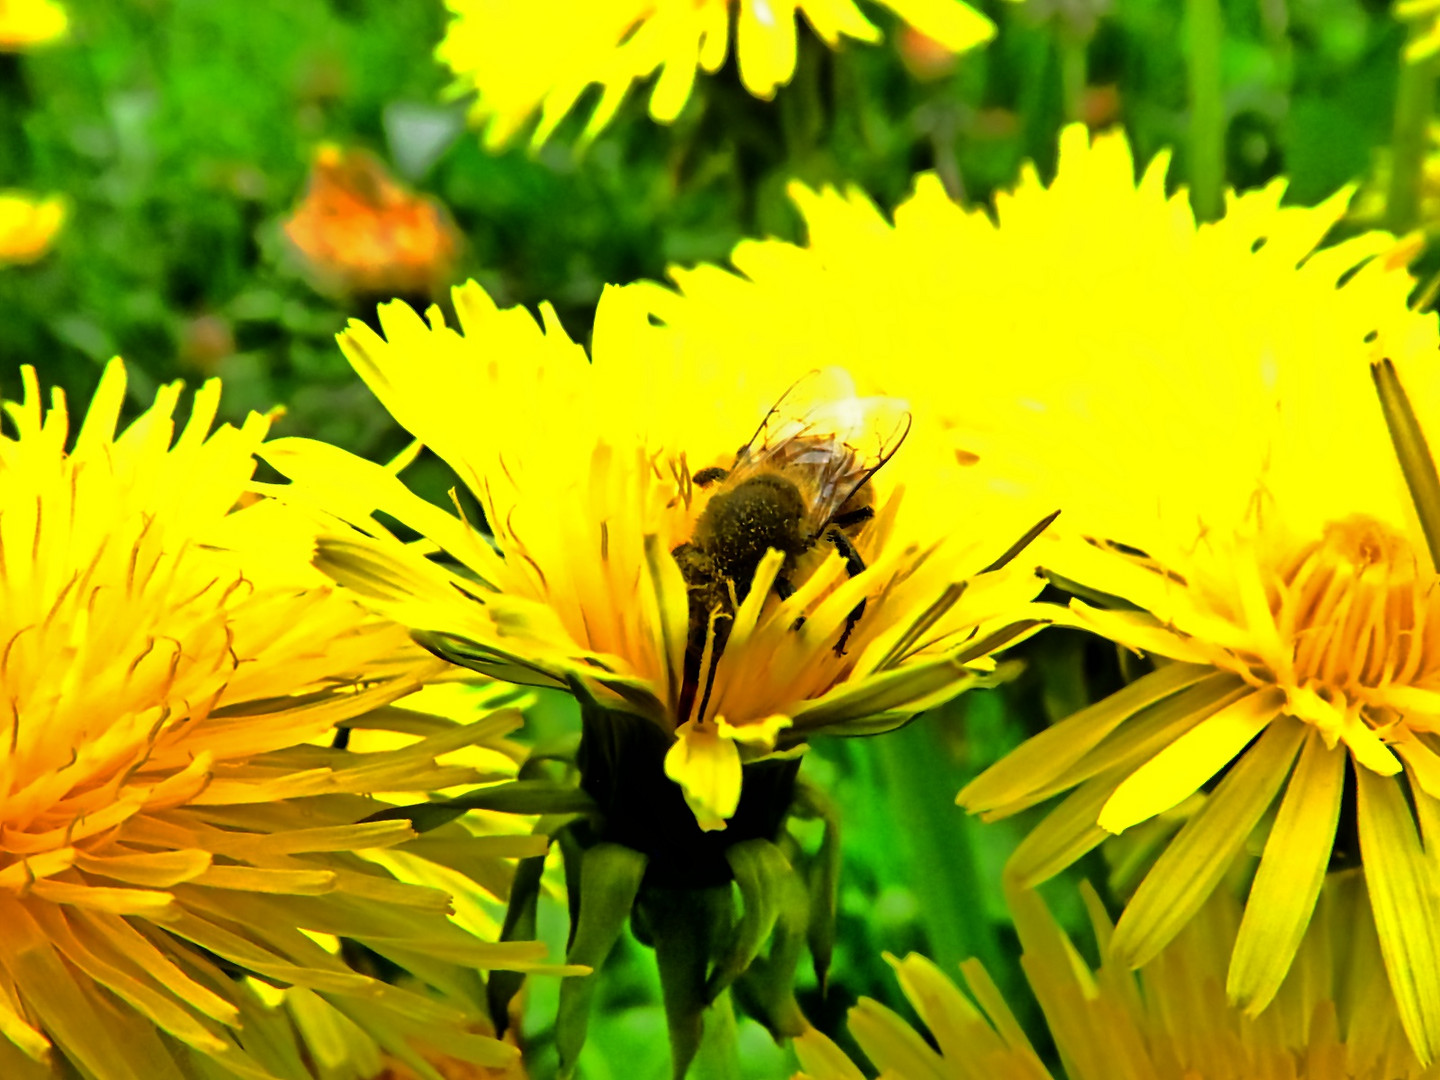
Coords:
933,836
719,1055
1204,32
1073,44
1414,100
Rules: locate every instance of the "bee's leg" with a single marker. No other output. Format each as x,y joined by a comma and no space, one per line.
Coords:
852,517
706,477
854,564
785,588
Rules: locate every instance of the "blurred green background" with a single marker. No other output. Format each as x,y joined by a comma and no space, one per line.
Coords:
181,133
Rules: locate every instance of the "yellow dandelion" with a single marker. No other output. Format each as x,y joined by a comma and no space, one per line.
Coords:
1169,1021
521,57
175,828
24,23
589,572
1423,40
1200,401
27,227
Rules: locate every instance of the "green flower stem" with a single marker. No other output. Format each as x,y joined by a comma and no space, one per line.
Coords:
719,1054
1073,44
1204,32
934,838
1414,100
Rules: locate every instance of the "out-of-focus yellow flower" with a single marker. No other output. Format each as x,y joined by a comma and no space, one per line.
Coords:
1199,401
1333,1019
526,56
1424,19
586,473
24,23
172,815
360,231
1368,208
27,226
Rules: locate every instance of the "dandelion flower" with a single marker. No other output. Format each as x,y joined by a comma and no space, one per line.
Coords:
1169,1021
27,227
1199,400
24,23
589,475
359,231
521,57
174,825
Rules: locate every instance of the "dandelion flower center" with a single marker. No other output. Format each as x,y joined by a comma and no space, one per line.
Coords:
1358,607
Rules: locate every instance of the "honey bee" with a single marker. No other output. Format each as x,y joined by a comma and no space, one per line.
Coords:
803,479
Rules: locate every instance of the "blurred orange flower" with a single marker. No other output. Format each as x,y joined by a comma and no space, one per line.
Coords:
27,226
924,56
360,230
30,22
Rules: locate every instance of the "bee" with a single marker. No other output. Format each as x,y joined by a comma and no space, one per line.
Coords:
802,480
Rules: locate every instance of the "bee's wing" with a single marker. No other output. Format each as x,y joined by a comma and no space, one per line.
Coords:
826,438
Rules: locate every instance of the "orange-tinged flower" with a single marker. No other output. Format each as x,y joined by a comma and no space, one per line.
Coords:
361,231
172,814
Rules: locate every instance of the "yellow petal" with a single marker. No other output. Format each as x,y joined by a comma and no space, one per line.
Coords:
1176,773
1402,883
707,768
1195,861
1287,884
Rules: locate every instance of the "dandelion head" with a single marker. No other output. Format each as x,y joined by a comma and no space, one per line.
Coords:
173,821
526,58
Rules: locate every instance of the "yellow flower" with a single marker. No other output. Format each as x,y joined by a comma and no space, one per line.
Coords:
1332,1021
526,56
1424,31
172,813
27,227
589,478
1199,400
24,23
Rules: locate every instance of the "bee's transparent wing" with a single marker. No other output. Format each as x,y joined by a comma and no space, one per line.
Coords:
826,438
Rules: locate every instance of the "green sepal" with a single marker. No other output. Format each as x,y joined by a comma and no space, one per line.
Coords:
688,926
511,797
768,987
519,925
1416,461
610,876
572,856
822,879
759,867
